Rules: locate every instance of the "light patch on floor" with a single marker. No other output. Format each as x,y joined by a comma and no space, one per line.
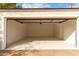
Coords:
40,43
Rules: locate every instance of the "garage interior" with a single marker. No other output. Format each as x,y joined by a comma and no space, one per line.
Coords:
40,33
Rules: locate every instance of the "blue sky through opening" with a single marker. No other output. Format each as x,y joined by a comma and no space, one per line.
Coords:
49,5
59,5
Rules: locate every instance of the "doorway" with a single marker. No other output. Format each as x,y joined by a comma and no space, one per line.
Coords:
40,33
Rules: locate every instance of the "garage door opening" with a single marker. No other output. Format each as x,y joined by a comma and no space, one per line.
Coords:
40,33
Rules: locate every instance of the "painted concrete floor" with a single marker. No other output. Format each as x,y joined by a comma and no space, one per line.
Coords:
39,43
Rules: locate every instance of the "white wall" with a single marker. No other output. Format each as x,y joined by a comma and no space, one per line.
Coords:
58,30
64,31
59,13
70,31
15,31
77,25
40,29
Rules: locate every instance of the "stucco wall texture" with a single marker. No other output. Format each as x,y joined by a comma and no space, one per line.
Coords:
69,26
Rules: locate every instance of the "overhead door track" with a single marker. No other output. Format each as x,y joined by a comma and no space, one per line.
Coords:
41,20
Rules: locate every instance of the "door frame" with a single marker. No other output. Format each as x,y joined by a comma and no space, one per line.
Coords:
4,30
